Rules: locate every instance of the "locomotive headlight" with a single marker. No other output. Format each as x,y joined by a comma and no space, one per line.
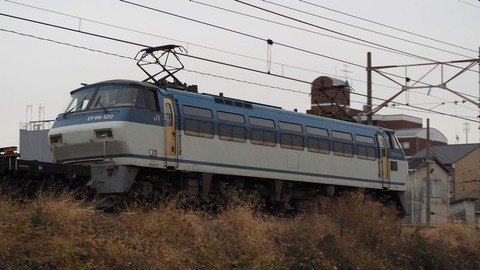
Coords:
103,134
56,139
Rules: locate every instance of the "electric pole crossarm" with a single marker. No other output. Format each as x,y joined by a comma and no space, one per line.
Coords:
379,107
427,64
462,71
388,78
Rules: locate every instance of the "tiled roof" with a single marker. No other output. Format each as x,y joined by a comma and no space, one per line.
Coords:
448,154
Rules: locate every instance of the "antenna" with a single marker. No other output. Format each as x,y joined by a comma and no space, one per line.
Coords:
153,56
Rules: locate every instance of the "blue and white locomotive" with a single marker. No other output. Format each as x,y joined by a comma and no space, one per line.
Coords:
136,135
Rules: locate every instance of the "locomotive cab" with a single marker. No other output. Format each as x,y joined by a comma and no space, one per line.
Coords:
101,127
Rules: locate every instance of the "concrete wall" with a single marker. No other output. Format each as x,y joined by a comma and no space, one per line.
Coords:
415,195
34,145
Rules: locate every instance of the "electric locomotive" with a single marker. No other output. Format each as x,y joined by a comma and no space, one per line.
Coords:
153,138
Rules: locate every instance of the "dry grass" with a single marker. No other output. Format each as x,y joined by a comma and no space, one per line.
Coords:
59,232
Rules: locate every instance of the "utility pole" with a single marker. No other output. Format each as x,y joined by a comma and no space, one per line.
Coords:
427,166
466,128
369,89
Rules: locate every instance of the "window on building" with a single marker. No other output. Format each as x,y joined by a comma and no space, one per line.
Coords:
436,185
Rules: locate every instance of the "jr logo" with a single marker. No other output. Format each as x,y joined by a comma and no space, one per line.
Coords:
156,118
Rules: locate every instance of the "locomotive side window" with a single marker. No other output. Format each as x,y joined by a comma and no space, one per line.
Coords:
263,137
366,152
196,111
392,141
140,100
231,117
261,122
317,131
342,149
290,126
198,128
195,127
291,141
342,135
152,101
315,144
318,145
232,133
364,139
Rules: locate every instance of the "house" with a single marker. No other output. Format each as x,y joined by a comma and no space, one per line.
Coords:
464,161
455,182
415,193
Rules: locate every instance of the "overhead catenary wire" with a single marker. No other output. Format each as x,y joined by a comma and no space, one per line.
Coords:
292,26
104,23
207,60
278,43
269,61
180,41
242,33
365,29
338,33
329,30
387,26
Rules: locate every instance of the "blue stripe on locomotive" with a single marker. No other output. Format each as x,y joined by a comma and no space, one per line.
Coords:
278,114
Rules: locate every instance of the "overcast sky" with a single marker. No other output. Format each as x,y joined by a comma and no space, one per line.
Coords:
40,64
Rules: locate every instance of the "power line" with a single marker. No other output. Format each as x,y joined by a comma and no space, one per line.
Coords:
197,58
293,27
67,44
199,45
365,29
331,31
388,26
468,4
241,33
185,42
267,40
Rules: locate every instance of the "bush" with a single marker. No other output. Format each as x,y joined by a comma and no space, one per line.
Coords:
60,232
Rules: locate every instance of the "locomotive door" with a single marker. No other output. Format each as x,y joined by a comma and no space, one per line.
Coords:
170,134
383,170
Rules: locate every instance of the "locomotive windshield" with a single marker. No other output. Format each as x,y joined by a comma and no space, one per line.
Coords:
106,96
